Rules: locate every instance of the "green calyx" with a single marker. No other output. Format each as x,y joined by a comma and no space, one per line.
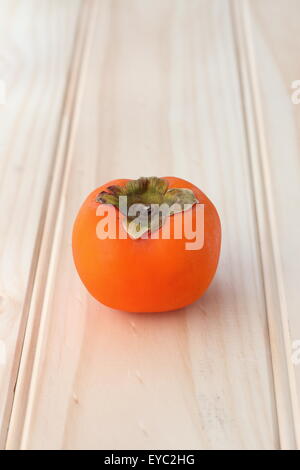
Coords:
146,203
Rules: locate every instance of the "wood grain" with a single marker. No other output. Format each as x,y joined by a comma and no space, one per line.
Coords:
158,93
269,65
36,40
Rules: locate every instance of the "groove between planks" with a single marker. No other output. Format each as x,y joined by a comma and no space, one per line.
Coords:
26,160
280,340
45,243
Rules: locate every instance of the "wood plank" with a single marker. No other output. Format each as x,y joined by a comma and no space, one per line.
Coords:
36,41
269,51
158,94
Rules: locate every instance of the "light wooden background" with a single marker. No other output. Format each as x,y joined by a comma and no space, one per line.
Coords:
100,89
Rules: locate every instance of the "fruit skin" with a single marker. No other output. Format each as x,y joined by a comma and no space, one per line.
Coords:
145,275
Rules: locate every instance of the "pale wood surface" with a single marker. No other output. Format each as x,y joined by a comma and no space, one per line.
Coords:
36,42
156,87
276,47
267,52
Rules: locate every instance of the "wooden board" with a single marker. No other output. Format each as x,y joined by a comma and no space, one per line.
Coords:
146,104
267,54
36,41
168,88
281,151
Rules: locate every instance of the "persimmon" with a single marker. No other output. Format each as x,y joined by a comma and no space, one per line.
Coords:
124,260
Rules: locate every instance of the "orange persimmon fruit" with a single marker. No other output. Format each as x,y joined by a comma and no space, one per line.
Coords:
147,273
